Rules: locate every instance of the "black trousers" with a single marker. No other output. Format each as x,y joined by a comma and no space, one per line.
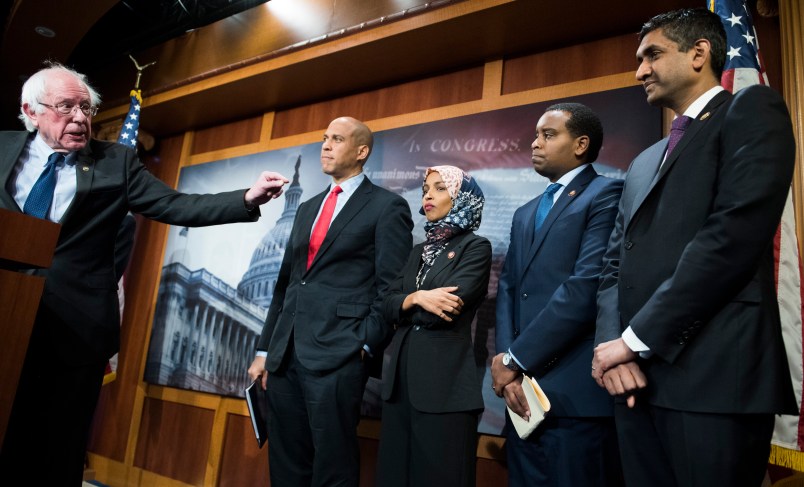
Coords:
46,439
419,449
668,448
312,424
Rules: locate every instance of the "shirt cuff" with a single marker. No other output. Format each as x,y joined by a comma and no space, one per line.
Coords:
515,360
635,344
261,353
368,351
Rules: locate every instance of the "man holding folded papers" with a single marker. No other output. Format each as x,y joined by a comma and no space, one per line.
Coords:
546,309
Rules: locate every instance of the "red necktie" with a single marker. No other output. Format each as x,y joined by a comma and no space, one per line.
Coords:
322,225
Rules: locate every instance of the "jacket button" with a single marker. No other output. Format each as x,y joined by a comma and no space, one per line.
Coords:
516,333
303,283
629,245
417,328
524,295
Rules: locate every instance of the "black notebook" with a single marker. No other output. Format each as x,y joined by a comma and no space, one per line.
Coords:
257,402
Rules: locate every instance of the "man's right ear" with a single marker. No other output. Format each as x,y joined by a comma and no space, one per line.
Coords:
31,114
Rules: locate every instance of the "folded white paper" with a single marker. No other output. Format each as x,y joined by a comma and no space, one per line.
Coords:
538,404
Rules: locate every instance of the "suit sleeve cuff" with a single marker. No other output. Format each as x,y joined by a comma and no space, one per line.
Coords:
521,367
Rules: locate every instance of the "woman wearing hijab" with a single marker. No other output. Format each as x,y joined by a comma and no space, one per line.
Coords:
432,385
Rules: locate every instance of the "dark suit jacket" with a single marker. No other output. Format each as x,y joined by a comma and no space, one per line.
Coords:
442,373
546,295
81,286
690,263
333,309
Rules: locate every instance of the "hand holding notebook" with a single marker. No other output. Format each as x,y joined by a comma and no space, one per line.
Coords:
538,404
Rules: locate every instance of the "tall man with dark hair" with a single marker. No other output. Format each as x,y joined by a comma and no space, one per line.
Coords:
325,320
688,325
57,172
546,308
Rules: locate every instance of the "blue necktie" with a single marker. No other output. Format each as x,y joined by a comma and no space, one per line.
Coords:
41,195
545,204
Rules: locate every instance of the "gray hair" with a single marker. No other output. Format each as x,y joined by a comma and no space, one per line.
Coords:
36,86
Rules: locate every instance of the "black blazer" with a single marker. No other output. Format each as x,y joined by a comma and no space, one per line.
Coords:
81,286
333,309
690,263
442,371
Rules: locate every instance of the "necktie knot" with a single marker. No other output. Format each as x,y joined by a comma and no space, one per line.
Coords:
677,129
322,225
54,158
551,189
681,123
545,204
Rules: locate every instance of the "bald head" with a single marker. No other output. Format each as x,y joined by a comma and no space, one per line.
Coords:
346,148
360,132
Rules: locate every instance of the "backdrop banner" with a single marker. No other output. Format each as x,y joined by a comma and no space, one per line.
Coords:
217,282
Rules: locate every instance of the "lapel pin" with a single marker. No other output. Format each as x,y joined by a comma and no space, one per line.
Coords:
571,193
85,168
451,255
705,116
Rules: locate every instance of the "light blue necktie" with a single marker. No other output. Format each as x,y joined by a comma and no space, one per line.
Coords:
545,204
41,195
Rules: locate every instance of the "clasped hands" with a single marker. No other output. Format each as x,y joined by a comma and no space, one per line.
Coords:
614,368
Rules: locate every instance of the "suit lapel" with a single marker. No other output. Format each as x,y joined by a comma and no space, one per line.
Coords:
693,130
306,216
655,156
8,159
444,260
642,174
84,171
570,194
356,203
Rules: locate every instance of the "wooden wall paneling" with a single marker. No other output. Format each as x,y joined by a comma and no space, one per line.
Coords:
368,460
413,96
492,473
174,440
791,16
769,36
242,463
232,134
113,428
227,407
574,63
492,80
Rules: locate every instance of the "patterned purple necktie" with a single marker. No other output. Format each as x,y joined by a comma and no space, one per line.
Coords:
677,129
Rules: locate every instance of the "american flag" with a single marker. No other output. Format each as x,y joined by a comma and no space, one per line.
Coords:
127,137
744,67
130,129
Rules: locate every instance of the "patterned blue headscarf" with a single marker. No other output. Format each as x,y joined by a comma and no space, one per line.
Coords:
465,215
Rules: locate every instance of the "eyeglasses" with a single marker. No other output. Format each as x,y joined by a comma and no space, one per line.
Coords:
68,108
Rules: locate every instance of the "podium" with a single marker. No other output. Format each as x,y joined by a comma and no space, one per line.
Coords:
25,243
